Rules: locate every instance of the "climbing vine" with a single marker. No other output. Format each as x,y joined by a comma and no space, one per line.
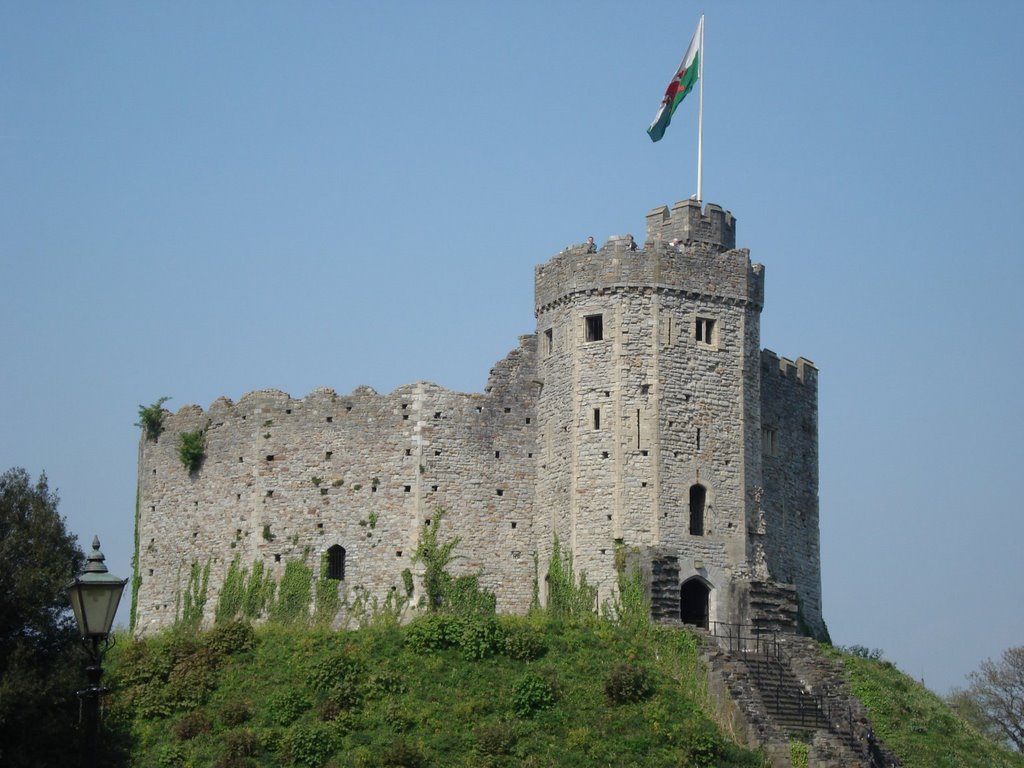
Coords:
567,595
194,600
232,593
258,592
294,594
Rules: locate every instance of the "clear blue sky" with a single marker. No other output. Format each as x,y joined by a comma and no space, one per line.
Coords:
202,199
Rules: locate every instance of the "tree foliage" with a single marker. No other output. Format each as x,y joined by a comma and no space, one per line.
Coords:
994,698
41,665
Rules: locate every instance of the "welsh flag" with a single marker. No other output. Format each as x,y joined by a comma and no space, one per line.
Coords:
682,84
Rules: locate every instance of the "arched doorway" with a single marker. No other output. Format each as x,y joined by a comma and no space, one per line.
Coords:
693,603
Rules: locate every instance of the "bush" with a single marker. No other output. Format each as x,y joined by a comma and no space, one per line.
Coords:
628,682
285,708
402,754
495,739
339,670
478,637
531,693
386,683
191,725
151,418
192,449
523,643
233,637
309,745
431,632
235,712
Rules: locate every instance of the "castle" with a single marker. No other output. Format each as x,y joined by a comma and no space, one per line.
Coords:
642,418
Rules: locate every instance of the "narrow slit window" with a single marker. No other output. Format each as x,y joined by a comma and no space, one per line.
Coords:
595,327
698,438
597,418
549,341
637,427
698,496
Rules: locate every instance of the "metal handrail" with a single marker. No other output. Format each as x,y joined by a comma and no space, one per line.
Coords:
750,638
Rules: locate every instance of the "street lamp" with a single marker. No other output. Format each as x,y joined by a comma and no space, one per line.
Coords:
94,597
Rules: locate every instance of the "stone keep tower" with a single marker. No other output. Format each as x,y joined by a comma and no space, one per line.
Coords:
664,429
642,417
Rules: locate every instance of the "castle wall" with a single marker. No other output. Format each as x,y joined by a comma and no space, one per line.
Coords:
789,404
644,381
287,478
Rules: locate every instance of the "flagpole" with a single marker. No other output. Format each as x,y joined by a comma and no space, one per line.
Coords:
700,119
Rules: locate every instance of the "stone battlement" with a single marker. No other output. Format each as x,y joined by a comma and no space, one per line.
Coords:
802,370
703,268
714,226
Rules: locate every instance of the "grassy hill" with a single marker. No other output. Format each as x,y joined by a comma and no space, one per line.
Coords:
443,691
474,690
915,723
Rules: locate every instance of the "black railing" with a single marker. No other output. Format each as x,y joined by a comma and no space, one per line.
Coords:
811,709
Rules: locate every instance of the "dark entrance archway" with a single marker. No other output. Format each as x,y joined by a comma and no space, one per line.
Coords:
693,603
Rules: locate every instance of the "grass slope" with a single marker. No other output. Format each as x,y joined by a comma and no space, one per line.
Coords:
443,691
915,723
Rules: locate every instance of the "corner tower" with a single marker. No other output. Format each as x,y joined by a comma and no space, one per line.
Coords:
649,415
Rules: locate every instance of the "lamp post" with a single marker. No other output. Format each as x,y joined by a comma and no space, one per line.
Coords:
94,597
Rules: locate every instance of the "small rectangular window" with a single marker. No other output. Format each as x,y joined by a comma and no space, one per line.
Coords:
595,327
549,341
768,441
704,330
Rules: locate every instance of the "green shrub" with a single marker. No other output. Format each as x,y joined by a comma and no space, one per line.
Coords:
191,725
173,755
407,582
192,680
192,449
478,637
309,745
431,633
386,683
628,682
568,597
403,754
340,669
285,707
233,637
531,693
151,418
494,739
242,742
234,712
523,643
464,596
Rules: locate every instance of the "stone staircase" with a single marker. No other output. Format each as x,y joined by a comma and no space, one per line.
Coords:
769,704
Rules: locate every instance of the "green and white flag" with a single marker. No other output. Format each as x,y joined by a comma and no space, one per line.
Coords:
682,83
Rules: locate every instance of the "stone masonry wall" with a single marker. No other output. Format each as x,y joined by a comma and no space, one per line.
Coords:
286,478
789,392
653,410
595,441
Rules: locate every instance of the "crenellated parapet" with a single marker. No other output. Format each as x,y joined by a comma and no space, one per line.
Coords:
688,224
706,267
801,371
